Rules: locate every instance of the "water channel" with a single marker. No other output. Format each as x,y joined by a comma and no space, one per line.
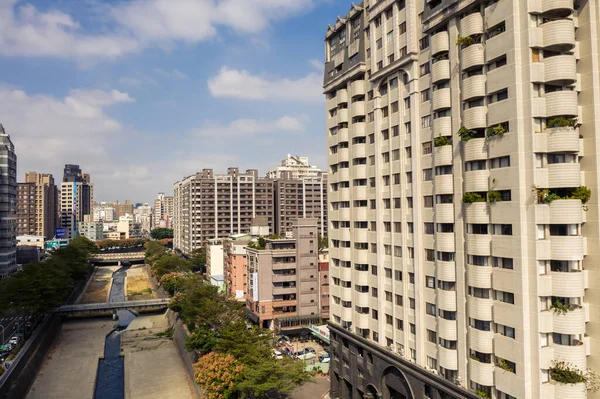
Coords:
110,380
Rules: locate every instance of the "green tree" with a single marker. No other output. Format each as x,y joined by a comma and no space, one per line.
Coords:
323,242
168,263
271,378
160,232
154,251
202,340
198,259
248,345
172,282
84,244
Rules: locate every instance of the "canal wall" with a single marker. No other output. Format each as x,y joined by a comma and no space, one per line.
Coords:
180,335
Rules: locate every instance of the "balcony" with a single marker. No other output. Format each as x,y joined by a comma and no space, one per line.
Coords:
342,134
441,99
566,248
442,126
443,184
574,354
444,213
359,150
475,118
559,35
447,329
473,87
475,149
359,129
342,115
560,212
473,56
359,172
445,271
440,43
562,139
362,299
568,284
442,155
346,274
357,87
481,341
571,391
480,308
361,235
440,70
560,8
477,212
280,278
361,256
346,313
560,69
477,180
481,373
444,242
361,320
448,358
479,276
471,25
358,108
446,300
284,290
561,103
572,322
564,175
342,96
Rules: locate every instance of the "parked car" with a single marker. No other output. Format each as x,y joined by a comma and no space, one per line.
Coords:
14,341
324,355
309,349
278,355
307,356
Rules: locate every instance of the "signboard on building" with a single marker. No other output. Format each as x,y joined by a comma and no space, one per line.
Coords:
56,244
60,232
255,287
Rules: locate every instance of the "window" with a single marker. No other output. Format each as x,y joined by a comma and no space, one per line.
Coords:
408,152
388,296
394,106
411,303
407,103
409,225
475,165
397,203
443,170
397,227
395,131
379,65
402,28
387,270
429,281
477,228
505,330
374,270
429,255
428,201
503,263
497,63
400,324
507,297
379,44
424,69
393,83
502,229
385,112
390,36
445,256
429,228
397,252
424,43
430,309
374,292
425,95
411,278
399,300
403,52
427,174
427,148
407,128
496,30
498,96
500,162
426,121
374,314
398,275
431,336
391,58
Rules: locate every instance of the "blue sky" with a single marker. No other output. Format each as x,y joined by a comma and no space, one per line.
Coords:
141,93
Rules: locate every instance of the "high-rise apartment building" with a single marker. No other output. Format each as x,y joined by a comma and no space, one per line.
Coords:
76,198
8,204
37,205
104,212
209,206
463,255
144,216
282,280
296,167
163,211
123,209
304,197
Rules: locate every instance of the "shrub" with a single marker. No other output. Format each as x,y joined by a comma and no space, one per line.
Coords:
565,373
494,131
465,134
441,141
582,193
561,121
465,41
493,196
440,57
469,198
218,375
562,308
483,394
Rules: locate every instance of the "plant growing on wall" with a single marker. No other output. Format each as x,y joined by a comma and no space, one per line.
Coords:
469,198
465,134
441,141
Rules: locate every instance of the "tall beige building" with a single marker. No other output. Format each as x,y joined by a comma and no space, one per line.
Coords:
163,211
464,258
37,205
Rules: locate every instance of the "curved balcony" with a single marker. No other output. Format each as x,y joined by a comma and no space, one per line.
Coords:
568,284
442,155
481,373
342,96
360,235
473,87
562,139
343,136
344,234
361,277
561,103
475,149
574,354
571,391
560,69
358,87
566,248
359,150
471,25
440,43
444,213
564,175
363,299
346,294
444,242
346,274
344,214
446,300
359,172
473,56
441,99
560,8
476,180
565,212
360,214
344,173
358,108
445,271
342,116
481,341
346,313
361,320
361,256
443,184
479,276
480,308
442,126
359,129
448,358
559,35
440,71
345,254
447,329
572,322
477,212
475,118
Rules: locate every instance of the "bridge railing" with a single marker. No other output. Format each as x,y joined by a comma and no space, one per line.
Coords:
112,305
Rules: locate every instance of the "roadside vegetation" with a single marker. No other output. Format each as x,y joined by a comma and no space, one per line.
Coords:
160,232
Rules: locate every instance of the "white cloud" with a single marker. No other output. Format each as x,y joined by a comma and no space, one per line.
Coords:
243,85
137,81
248,127
174,73
29,32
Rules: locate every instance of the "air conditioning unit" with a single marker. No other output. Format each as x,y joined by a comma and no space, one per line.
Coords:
434,372
390,348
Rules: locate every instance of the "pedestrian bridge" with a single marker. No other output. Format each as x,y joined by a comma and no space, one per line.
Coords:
149,304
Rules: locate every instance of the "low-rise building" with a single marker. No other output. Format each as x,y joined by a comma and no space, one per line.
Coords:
214,259
283,280
93,231
234,264
28,240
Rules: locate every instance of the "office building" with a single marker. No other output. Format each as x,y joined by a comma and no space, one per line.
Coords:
92,230
8,202
295,166
76,198
163,211
37,205
463,254
282,280
302,197
209,206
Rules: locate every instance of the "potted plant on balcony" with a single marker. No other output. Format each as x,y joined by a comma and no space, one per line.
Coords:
441,141
566,373
582,193
562,308
495,131
493,196
561,121
465,41
469,198
465,134
504,365
440,57
483,394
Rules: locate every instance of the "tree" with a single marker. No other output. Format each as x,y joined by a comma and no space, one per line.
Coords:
323,243
154,251
248,345
84,244
168,263
218,375
160,232
272,378
172,282
202,340
198,259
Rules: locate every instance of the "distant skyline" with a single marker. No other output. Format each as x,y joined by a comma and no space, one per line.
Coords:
140,103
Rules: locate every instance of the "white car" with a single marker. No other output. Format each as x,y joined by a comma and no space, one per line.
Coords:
278,355
14,341
307,356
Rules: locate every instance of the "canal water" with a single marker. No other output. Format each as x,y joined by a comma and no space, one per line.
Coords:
110,381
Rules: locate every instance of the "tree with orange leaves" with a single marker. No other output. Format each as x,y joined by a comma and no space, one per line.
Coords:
218,375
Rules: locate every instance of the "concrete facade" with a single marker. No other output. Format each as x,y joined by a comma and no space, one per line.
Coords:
8,204
214,258
458,136
163,211
37,205
234,265
296,167
282,282
93,231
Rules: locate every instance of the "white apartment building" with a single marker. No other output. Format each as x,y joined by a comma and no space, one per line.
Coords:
104,212
163,211
462,150
93,231
144,216
298,167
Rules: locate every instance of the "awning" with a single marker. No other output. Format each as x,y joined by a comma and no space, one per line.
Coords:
321,332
